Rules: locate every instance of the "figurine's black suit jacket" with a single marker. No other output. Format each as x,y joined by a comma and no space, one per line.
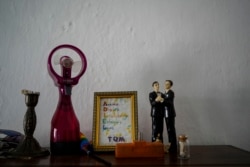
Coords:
169,103
157,108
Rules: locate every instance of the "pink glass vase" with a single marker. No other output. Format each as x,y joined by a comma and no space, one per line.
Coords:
65,128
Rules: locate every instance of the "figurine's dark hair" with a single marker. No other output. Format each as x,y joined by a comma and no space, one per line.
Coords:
155,83
170,81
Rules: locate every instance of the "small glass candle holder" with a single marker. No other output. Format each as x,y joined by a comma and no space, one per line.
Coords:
183,147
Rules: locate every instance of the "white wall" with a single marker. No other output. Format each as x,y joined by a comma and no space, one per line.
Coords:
203,46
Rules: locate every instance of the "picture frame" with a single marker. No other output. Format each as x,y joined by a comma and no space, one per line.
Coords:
115,119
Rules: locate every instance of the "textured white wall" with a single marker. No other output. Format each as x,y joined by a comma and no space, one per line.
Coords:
203,46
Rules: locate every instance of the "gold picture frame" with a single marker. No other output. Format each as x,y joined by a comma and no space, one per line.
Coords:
115,119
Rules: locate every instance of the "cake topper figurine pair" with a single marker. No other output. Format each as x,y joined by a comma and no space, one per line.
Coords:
162,108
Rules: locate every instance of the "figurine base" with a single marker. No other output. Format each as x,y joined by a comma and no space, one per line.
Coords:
139,149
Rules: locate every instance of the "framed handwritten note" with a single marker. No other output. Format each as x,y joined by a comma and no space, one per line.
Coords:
115,119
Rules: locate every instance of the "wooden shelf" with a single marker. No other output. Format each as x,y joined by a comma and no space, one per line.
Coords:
221,155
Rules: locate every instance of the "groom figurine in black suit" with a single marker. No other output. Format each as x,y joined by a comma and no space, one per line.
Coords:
156,99
170,115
